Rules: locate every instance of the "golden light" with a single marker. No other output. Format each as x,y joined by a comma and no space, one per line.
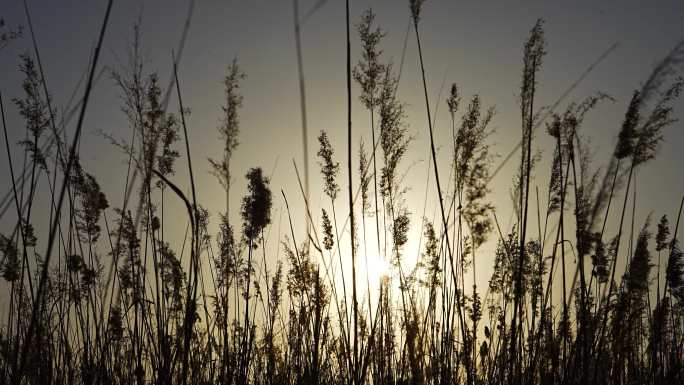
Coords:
377,270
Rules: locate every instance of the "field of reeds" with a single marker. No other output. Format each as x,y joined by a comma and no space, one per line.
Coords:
577,295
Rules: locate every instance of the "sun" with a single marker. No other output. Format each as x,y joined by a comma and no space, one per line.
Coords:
377,269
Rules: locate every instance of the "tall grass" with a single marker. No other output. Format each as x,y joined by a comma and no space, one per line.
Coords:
112,301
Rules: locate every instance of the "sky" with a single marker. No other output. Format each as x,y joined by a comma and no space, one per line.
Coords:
476,44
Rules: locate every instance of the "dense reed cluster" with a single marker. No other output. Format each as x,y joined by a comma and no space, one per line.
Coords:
113,301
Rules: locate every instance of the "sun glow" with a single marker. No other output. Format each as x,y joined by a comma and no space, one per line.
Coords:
377,269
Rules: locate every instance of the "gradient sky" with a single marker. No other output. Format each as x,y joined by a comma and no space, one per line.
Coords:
477,44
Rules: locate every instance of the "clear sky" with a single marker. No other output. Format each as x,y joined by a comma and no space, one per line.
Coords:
477,44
